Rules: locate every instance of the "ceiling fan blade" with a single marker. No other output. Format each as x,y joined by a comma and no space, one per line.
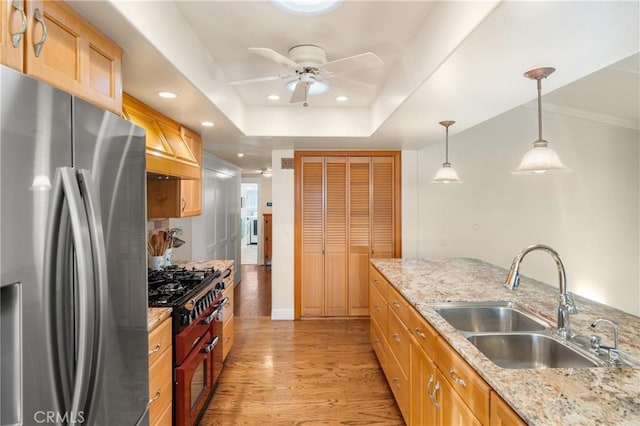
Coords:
300,93
353,63
274,56
362,84
256,80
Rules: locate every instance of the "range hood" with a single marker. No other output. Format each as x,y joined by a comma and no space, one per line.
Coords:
168,154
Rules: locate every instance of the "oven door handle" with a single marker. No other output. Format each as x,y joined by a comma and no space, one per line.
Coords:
211,344
212,316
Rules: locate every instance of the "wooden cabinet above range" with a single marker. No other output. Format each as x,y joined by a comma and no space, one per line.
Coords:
168,153
50,41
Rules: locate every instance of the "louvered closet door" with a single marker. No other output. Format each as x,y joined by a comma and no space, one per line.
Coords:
335,260
359,224
312,234
382,206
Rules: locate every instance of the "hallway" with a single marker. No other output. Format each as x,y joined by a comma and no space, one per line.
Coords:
297,372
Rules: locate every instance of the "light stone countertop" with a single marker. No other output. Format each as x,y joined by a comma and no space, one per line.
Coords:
155,316
558,396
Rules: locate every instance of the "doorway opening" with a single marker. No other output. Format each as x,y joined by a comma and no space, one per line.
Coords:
250,225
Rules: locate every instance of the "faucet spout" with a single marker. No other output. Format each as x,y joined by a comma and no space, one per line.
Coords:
566,304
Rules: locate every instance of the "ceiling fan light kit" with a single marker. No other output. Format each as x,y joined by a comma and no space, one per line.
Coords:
307,7
541,158
446,174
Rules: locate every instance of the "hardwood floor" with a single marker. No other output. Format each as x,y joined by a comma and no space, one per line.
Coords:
252,296
302,373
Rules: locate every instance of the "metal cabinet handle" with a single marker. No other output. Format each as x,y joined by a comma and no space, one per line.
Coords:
456,379
377,308
429,383
396,382
16,37
420,333
432,397
37,47
396,304
396,337
184,204
376,281
156,349
155,398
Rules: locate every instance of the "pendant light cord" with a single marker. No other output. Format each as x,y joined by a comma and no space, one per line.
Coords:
446,149
539,109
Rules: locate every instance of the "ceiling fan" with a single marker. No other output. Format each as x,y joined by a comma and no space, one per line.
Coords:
308,65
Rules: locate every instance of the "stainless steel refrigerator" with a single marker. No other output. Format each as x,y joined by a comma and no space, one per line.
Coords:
73,300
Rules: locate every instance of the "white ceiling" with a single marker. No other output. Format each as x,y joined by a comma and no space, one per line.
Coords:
442,60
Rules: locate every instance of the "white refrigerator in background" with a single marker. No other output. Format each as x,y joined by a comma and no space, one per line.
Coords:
73,292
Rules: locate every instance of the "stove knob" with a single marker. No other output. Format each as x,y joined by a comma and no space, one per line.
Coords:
190,305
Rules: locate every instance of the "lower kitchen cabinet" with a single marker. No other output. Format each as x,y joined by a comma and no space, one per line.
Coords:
160,375
431,382
227,321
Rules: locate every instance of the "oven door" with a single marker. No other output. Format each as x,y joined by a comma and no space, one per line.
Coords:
193,381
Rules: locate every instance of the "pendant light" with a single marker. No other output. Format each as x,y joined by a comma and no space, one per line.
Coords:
541,158
446,174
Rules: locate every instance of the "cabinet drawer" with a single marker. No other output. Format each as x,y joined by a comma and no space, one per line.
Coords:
379,343
227,337
378,281
464,380
399,384
159,340
424,334
378,308
398,304
399,341
227,310
160,389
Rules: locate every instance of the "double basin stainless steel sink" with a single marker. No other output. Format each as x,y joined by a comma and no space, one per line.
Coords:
514,338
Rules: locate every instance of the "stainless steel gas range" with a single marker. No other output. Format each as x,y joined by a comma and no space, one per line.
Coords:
197,302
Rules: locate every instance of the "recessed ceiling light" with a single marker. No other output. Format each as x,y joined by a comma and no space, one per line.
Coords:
207,124
241,154
342,98
315,89
273,97
168,95
307,7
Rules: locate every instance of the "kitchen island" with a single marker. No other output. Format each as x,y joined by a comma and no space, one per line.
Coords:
540,396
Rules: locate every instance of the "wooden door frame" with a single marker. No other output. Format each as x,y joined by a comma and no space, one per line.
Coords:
298,155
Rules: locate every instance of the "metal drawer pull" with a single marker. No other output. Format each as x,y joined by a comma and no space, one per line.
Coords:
396,304
396,337
16,37
456,379
37,47
377,308
156,349
432,397
376,281
420,333
155,398
396,382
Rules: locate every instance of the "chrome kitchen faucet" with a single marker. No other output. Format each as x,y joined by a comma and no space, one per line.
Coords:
566,303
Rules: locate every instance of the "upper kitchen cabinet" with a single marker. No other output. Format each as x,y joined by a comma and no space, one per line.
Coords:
347,211
168,153
50,41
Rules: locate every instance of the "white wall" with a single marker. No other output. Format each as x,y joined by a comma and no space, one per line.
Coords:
590,216
282,228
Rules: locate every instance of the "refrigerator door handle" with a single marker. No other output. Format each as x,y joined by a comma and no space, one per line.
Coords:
99,253
85,290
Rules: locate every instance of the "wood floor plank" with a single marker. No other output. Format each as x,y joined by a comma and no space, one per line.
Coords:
313,372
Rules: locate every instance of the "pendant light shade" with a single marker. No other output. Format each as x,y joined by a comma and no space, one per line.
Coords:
541,158
446,174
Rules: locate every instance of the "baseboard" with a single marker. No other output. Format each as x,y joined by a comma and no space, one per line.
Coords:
282,314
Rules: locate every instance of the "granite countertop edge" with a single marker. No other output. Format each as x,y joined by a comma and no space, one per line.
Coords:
585,396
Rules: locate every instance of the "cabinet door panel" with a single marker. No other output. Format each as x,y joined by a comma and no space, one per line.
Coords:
453,410
11,23
423,381
336,236
359,230
382,207
312,235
